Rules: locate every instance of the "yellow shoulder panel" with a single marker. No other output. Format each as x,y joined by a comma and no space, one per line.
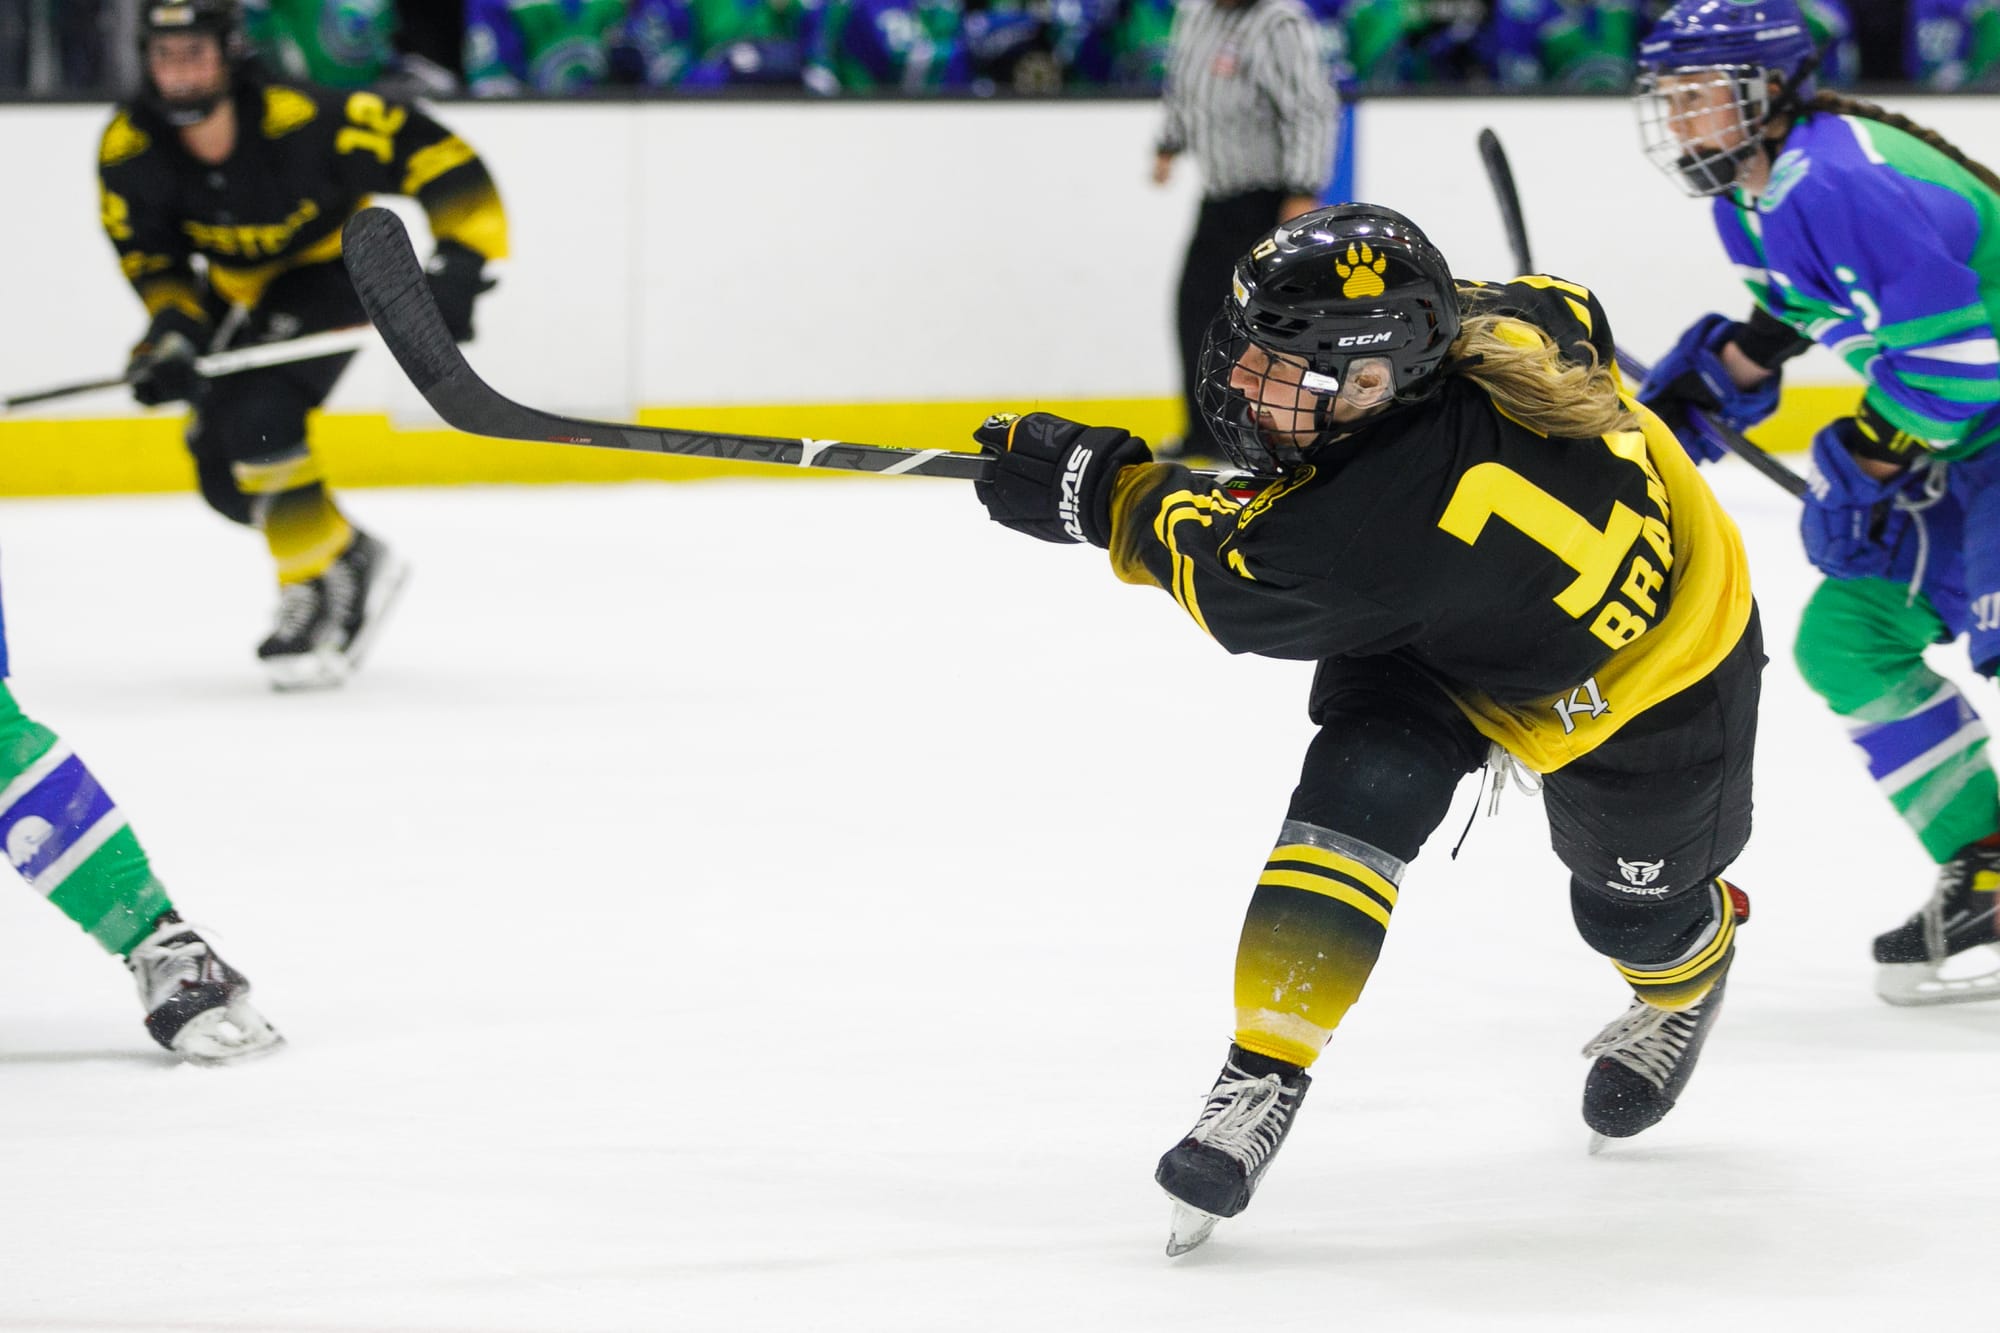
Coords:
123,141
285,110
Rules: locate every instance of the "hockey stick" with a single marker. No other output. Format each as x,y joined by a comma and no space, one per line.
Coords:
257,356
391,281
1724,434
1501,176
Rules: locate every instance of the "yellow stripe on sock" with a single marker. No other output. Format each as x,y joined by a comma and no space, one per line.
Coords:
284,474
1707,958
1346,865
1328,888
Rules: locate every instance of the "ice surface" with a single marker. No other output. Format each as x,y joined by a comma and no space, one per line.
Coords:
812,907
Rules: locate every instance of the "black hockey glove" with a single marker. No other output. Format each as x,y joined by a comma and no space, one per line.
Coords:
1052,477
162,371
456,274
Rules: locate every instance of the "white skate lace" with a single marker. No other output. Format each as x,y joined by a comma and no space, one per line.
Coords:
1955,877
1245,1117
165,966
1647,1040
298,603
343,589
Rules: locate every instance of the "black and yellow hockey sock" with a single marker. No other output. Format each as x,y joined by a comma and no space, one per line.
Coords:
1310,939
1681,983
304,528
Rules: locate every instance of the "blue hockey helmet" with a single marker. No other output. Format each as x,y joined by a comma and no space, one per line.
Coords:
1713,77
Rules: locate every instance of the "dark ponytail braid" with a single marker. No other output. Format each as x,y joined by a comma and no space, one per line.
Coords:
1850,106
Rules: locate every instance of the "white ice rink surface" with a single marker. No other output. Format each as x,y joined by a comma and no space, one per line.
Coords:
809,906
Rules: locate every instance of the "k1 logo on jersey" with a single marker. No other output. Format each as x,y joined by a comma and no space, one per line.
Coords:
1583,699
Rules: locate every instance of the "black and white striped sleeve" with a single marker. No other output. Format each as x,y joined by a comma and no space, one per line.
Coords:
1308,109
1173,126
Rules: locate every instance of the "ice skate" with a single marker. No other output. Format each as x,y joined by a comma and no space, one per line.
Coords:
1212,1173
1643,1061
197,1006
1959,917
325,625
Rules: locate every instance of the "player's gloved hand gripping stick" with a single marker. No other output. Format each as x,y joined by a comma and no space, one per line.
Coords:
234,362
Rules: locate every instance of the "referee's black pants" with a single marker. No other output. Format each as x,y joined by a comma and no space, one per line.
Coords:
1224,231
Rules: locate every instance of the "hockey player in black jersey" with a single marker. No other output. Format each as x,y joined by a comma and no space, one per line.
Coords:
224,192
1491,550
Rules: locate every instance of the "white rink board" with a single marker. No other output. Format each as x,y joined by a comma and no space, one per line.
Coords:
703,253
676,929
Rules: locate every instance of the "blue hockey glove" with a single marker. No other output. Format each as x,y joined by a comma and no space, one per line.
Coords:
1851,525
1052,477
1692,376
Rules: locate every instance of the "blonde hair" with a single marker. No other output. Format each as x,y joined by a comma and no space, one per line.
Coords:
1527,377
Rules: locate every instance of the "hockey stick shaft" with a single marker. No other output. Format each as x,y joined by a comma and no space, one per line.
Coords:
393,289
1501,174
1723,434
258,356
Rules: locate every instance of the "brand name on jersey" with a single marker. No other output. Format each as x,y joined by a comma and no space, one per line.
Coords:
251,242
1069,506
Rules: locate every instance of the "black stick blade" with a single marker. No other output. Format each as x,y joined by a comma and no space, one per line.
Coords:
393,289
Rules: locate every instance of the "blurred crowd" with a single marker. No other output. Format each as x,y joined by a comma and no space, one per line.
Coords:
503,48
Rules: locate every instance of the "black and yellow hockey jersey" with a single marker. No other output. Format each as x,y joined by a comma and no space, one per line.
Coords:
306,160
1556,588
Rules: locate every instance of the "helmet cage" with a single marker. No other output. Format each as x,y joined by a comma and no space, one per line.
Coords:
1680,139
1228,410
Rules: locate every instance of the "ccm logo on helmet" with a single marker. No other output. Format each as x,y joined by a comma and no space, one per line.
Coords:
1364,339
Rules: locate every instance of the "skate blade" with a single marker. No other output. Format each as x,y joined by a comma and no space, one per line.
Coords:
1918,985
226,1035
382,595
1188,1228
323,669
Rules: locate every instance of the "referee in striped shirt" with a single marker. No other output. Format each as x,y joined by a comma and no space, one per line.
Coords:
1248,93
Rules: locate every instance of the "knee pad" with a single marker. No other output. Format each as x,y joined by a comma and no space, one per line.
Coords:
1669,950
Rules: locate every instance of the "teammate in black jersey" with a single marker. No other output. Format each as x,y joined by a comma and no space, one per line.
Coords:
1489,547
224,193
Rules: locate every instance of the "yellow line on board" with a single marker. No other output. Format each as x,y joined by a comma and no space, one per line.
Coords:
136,454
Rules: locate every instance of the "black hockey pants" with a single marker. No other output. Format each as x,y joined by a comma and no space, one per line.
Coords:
1644,822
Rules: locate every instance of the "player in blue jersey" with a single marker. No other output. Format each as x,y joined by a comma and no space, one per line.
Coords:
1870,235
70,842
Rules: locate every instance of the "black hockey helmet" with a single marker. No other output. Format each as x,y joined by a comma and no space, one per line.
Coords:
1332,288
223,19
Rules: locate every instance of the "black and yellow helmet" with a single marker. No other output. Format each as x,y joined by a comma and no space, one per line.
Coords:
222,19
1330,287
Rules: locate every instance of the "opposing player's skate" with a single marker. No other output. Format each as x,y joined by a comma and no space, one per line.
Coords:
197,1006
1212,1173
325,625
1958,917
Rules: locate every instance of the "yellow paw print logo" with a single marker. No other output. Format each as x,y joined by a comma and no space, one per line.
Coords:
1363,271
